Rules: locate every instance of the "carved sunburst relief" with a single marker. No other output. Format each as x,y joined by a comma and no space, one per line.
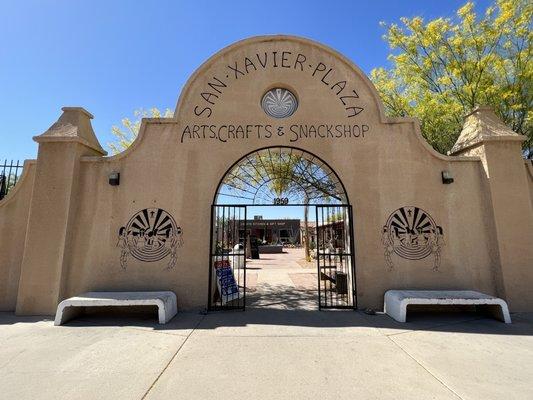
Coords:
411,233
279,103
150,235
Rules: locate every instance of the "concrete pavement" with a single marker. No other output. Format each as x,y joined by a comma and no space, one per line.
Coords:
281,347
267,353
282,281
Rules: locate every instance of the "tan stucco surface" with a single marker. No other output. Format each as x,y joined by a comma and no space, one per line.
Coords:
529,169
13,220
172,165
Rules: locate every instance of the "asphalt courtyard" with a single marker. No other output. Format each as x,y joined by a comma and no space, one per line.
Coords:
281,347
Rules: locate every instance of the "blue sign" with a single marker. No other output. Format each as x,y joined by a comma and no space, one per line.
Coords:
227,286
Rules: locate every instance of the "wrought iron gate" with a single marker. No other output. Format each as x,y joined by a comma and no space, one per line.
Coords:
335,257
227,272
9,175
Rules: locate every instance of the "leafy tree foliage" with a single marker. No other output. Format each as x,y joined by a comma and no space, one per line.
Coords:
443,68
284,174
126,134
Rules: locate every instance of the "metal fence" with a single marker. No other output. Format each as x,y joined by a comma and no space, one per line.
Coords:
9,175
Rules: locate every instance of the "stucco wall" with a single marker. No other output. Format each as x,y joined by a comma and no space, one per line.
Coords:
14,209
186,182
176,165
529,168
389,168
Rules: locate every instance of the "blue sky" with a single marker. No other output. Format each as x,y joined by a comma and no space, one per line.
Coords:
115,56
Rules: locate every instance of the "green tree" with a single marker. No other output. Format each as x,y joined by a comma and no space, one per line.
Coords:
126,134
285,175
442,69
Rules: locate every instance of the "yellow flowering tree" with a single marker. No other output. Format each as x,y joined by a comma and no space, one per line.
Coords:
126,134
441,69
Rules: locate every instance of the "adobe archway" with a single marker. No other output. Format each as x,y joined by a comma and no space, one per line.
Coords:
69,240
281,176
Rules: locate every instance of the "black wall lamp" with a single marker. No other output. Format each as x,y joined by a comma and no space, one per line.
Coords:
114,178
446,177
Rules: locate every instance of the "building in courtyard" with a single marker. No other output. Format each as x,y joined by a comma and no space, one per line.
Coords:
395,214
274,231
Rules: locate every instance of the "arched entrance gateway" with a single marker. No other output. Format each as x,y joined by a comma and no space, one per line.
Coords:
281,176
272,121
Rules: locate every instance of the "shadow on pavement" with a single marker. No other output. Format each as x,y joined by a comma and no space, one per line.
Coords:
464,322
296,307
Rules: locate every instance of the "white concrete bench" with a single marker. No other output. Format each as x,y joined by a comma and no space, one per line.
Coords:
396,301
165,301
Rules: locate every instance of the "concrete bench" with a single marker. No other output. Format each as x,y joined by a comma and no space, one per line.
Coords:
165,301
396,301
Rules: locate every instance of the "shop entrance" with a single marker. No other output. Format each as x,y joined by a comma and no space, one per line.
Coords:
303,258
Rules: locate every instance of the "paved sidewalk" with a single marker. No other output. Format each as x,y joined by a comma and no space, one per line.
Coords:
280,348
282,281
267,353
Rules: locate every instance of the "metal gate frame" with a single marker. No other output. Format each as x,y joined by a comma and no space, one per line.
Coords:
323,302
217,254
